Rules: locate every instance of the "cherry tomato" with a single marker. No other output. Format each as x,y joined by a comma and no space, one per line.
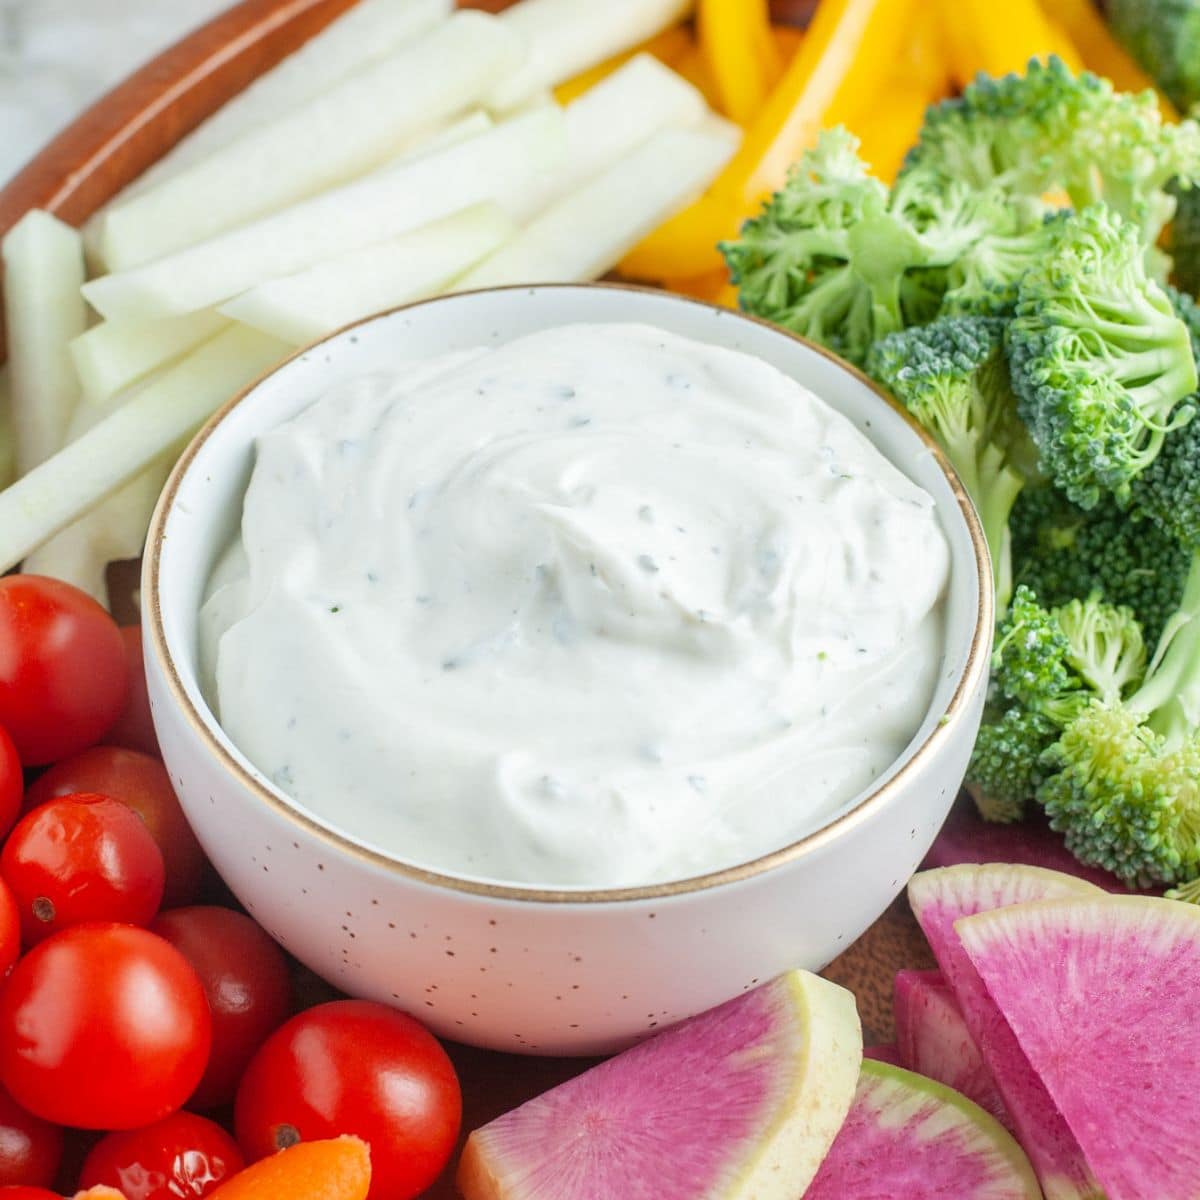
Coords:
141,782
180,1156
12,783
30,1148
20,1192
10,929
134,728
103,1026
63,673
245,978
81,858
352,1066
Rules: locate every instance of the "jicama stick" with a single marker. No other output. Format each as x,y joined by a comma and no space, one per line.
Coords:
7,449
504,165
303,307
112,355
43,260
369,31
114,529
157,416
585,234
565,37
342,133
667,47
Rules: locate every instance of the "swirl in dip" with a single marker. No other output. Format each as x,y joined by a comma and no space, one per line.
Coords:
601,606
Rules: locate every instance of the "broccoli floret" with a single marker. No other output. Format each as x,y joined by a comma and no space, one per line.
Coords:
1049,131
1184,240
1046,665
1062,552
835,256
1164,36
951,376
1100,362
1168,491
1123,780
825,257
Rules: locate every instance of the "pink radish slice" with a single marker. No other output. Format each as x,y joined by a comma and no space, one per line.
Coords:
933,1040
911,1138
739,1103
1101,994
938,899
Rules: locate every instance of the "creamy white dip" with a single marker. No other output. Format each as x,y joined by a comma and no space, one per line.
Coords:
600,606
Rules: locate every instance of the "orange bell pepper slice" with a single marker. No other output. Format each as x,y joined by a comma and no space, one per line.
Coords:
849,46
735,40
1101,52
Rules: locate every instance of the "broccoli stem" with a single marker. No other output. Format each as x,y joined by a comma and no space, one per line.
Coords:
1170,697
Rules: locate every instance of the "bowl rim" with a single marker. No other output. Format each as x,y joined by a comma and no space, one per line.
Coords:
878,797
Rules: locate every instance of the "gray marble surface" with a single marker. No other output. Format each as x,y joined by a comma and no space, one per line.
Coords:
57,56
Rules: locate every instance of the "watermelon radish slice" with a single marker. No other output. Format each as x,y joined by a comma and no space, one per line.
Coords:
1101,994
933,1040
938,899
739,1103
910,1137
885,1052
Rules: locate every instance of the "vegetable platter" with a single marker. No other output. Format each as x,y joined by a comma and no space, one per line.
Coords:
927,286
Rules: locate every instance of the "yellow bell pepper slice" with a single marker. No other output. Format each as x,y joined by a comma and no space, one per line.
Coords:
995,38
693,66
787,39
848,48
668,47
735,40
1101,52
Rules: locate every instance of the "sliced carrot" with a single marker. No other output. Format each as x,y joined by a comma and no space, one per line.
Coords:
332,1169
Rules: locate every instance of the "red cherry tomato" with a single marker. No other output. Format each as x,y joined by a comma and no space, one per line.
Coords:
63,674
10,930
245,978
351,1066
19,1192
30,1148
141,782
180,1156
134,728
12,783
103,1027
81,858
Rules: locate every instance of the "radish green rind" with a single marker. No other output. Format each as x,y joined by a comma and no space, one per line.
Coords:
1101,995
907,1136
739,1103
938,899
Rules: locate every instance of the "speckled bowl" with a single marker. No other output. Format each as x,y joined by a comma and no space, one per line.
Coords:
523,968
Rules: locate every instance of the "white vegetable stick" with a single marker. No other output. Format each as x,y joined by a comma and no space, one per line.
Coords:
124,443
369,31
8,464
339,134
303,307
114,529
112,355
617,115
566,37
43,260
507,165
475,122
590,231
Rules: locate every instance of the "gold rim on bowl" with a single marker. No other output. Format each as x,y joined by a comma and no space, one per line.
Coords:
976,664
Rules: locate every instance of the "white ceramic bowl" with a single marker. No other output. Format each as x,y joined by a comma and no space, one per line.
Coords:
522,968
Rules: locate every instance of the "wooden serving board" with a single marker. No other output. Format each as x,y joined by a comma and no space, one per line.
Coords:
108,147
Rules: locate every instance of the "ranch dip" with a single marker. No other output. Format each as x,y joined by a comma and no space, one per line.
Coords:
601,606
